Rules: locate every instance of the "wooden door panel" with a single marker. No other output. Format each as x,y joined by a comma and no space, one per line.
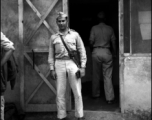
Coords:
39,23
52,4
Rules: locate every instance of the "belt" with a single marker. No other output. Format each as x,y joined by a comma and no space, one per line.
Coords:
101,47
64,58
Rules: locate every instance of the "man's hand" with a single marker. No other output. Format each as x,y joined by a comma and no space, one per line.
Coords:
53,74
82,71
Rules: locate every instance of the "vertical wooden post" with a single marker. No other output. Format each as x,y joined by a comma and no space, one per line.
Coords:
20,10
121,54
121,35
130,27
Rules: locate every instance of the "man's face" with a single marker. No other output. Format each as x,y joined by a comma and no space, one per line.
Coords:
62,23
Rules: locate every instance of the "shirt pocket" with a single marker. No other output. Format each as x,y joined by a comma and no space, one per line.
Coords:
71,43
58,46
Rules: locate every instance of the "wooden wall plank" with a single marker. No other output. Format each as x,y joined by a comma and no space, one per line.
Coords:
130,28
121,36
121,53
21,73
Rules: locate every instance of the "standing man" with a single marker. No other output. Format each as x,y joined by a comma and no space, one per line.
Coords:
101,37
63,68
7,49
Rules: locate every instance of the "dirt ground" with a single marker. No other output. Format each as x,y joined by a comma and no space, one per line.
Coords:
89,115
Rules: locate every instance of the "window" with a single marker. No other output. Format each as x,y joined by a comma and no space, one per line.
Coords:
137,26
141,26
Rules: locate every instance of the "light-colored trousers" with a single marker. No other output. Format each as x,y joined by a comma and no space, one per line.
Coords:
2,107
65,70
102,59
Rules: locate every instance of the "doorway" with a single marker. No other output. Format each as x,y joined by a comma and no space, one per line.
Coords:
82,16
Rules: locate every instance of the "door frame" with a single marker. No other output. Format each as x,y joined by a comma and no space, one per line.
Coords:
121,54
65,9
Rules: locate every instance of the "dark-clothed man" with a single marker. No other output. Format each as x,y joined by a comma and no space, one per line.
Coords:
101,37
63,68
7,49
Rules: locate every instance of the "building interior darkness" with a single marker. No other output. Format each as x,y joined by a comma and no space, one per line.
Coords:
82,16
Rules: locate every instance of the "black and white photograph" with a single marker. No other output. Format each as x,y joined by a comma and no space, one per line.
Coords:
75,60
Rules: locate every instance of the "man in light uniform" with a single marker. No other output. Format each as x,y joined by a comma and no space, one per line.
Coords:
63,68
101,37
7,49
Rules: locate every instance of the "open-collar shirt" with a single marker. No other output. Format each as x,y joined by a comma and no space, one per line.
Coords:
58,50
101,35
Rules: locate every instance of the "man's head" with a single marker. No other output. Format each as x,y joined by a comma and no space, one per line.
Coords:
101,16
62,21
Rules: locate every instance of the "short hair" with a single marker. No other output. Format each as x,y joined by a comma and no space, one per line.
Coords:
101,16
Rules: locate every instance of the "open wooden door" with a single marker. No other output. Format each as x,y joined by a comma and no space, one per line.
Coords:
37,22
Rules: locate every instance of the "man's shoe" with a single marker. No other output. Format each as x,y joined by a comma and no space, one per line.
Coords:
110,101
82,118
96,97
62,119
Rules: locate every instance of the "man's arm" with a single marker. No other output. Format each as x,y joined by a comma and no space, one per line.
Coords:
51,54
82,51
113,41
83,57
8,48
6,57
114,48
51,58
91,38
